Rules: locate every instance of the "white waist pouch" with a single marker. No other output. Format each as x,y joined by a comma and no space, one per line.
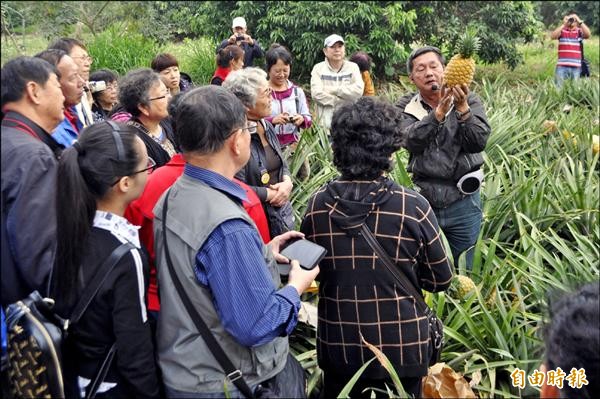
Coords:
470,182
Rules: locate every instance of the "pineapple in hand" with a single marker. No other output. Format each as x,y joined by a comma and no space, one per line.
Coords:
461,68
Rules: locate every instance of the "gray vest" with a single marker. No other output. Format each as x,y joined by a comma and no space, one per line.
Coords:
185,360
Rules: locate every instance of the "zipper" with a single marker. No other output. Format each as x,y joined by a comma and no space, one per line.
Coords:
44,332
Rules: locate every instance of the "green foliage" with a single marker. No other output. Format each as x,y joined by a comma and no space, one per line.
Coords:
196,57
501,26
302,27
121,50
552,12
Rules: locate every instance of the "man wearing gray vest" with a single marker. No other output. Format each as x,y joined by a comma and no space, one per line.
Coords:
226,271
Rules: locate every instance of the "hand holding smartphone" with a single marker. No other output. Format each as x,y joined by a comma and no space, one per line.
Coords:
307,253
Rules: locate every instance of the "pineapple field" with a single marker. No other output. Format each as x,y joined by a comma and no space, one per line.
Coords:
540,235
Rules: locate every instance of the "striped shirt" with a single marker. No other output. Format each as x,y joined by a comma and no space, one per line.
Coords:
569,48
231,264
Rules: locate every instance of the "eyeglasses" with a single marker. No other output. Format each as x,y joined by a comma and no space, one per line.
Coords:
85,58
167,94
267,92
151,165
113,86
251,127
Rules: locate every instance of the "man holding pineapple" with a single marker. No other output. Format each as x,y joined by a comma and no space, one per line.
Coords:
445,131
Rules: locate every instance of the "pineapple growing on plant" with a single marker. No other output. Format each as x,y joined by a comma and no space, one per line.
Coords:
461,68
462,286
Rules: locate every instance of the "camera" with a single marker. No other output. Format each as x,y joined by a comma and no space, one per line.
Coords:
239,37
96,86
571,20
291,119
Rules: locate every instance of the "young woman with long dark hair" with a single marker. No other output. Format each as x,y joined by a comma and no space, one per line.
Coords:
98,177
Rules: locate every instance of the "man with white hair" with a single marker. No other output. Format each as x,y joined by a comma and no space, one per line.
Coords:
334,80
241,37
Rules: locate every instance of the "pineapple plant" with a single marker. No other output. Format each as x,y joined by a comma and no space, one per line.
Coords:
461,68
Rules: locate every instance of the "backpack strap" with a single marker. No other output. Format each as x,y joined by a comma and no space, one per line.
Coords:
97,280
89,293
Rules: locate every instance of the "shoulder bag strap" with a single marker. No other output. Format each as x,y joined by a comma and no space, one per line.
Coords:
233,374
398,274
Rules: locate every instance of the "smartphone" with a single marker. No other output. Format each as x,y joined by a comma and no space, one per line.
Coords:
307,253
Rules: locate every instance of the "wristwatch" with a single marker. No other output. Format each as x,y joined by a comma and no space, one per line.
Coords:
459,115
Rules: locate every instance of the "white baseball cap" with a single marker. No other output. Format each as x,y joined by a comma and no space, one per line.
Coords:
238,21
333,39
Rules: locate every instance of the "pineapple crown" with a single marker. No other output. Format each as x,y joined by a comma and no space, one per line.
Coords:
469,44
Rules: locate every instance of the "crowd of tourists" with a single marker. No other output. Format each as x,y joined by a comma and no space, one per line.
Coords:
195,179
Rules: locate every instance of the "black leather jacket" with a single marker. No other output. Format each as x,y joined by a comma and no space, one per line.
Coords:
441,153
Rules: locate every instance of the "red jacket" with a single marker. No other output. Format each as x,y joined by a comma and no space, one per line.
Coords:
139,213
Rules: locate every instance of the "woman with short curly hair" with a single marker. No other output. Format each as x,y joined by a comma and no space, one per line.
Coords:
143,94
359,299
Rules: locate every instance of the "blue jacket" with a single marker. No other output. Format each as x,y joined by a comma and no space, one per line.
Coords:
64,133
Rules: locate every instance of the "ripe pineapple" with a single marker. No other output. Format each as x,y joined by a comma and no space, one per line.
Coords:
465,286
461,68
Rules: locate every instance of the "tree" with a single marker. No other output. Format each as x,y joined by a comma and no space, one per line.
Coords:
387,30
501,25
552,12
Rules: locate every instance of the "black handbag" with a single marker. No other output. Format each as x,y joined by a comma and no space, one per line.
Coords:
37,339
436,328
585,64
289,383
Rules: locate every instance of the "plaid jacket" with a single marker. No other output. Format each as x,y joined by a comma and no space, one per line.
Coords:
357,295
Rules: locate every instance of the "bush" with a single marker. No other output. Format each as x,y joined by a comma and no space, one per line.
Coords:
121,50
196,57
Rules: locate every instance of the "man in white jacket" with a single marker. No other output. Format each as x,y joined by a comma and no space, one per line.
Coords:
334,80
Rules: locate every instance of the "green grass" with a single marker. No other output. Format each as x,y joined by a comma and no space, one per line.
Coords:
28,45
539,62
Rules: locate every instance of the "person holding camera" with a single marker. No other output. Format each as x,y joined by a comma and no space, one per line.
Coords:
445,131
241,38
570,34
289,111
104,89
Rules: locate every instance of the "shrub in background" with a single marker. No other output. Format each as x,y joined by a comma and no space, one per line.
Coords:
121,50
196,57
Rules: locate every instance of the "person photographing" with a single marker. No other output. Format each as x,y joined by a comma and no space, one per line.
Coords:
569,36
